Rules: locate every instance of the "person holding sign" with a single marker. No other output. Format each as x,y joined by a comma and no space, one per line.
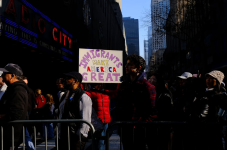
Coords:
136,102
101,103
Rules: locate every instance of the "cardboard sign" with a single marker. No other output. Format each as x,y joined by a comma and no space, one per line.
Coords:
100,66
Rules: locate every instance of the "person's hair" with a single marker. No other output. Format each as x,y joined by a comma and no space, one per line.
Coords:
138,61
38,92
18,77
49,99
160,82
217,87
85,86
24,78
61,80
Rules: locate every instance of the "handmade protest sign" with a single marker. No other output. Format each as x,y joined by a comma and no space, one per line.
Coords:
100,66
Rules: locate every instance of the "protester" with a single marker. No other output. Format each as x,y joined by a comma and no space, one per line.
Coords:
41,101
205,110
76,104
14,104
101,104
47,113
31,105
136,102
164,108
3,86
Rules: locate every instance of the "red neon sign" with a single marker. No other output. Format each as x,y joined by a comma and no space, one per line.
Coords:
54,33
57,35
11,8
24,10
54,30
41,25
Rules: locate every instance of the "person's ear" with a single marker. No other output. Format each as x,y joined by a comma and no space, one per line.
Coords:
12,76
138,69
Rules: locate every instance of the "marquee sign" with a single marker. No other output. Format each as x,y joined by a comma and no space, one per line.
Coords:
21,21
100,66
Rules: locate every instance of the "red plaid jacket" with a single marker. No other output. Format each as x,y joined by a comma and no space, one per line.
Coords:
136,100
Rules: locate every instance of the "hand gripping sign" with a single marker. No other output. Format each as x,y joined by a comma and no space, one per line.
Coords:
100,66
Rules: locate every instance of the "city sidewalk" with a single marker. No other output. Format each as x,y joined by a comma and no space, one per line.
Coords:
114,143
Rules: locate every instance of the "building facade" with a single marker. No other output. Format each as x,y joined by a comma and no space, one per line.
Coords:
132,34
149,43
199,43
159,14
146,56
44,37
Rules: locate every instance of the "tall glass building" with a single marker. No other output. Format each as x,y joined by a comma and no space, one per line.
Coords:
159,13
132,34
149,43
146,57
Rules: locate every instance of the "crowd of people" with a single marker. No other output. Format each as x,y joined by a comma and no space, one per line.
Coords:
199,100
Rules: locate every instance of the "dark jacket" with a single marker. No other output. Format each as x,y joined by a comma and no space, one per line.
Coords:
136,100
14,105
164,106
31,100
205,107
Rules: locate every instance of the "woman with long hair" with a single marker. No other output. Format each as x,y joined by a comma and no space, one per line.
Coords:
47,113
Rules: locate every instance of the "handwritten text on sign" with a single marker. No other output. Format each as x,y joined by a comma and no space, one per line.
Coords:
100,66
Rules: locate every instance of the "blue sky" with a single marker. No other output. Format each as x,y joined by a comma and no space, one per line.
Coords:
136,9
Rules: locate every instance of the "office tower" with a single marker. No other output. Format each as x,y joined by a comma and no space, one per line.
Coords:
132,34
149,43
146,57
159,14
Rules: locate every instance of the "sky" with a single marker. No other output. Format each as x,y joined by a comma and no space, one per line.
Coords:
137,9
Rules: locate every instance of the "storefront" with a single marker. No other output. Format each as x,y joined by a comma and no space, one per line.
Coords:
29,38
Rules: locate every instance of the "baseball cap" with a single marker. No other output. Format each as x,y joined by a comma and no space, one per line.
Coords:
75,75
12,68
185,75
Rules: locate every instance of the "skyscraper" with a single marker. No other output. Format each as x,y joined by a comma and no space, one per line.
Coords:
159,14
132,34
146,56
149,43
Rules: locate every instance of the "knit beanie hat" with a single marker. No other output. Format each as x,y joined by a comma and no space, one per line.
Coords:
218,75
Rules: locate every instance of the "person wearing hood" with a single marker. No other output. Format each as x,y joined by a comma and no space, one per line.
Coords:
205,110
14,104
136,102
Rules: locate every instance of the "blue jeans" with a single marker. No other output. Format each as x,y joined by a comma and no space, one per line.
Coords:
28,142
50,130
99,144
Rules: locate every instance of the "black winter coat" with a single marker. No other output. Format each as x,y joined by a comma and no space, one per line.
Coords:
14,104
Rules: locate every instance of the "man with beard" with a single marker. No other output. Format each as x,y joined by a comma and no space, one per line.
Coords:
14,104
74,104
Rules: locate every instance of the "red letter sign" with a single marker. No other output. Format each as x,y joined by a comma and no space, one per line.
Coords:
39,25
70,42
11,8
24,10
54,30
63,34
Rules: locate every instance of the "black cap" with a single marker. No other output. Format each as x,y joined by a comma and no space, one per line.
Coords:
75,75
12,68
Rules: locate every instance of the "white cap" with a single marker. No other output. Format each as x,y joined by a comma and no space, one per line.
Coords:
185,75
1,72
